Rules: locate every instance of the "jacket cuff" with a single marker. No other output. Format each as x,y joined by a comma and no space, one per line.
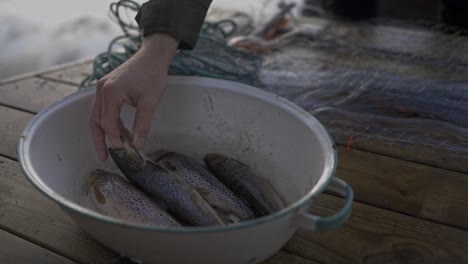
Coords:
181,19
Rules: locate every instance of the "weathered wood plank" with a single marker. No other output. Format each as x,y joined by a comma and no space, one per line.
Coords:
431,193
375,236
54,68
73,75
11,126
15,250
24,211
423,140
33,94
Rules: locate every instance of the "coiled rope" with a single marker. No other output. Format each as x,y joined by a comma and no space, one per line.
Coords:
212,57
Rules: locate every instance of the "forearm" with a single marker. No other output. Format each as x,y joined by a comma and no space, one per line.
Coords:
181,19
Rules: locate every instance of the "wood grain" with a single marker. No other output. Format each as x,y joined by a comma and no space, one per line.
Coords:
55,68
418,190
422,140
73,75
33,94
15,250
378,236
11,126
26,212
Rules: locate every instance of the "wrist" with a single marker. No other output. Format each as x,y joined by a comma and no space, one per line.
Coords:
159,48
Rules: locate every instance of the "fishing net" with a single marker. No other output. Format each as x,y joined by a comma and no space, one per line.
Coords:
390,87
211,57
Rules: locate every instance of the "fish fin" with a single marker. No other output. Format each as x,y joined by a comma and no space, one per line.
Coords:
228,218
92,179
159,155
234,218
99,196
202,191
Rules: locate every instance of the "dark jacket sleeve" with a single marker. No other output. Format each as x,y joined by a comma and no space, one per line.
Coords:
181,19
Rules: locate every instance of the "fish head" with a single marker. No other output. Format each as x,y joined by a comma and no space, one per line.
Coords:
127,158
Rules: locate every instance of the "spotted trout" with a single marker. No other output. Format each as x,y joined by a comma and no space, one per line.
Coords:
229,207
114,196
181,199
256,191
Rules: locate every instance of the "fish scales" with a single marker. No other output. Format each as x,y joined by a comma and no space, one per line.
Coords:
227,204
181,198
114,196
241,180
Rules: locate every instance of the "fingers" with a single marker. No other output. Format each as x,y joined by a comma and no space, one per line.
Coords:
111,105
126,135
144,114
95,124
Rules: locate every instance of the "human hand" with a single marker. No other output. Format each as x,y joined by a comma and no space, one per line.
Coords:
139,82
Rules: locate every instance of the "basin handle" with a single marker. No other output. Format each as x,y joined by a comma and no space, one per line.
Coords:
309,221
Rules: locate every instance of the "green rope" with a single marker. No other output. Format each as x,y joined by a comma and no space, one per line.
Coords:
212,57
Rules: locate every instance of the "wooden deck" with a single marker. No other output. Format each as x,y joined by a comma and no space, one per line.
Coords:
404,212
